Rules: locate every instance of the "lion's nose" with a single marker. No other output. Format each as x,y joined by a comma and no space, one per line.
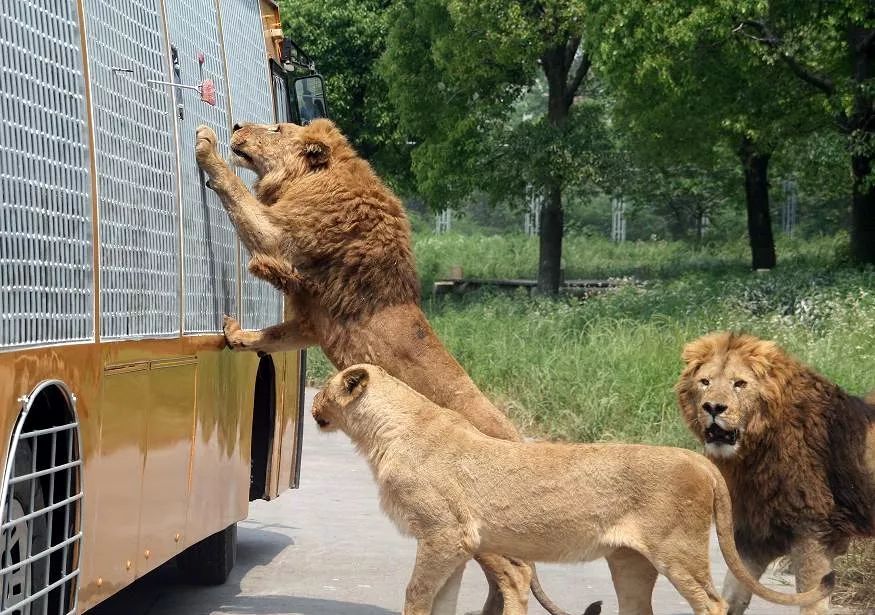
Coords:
714,409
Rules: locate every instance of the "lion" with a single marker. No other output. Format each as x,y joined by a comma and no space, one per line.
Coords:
459,492
325,230
797,452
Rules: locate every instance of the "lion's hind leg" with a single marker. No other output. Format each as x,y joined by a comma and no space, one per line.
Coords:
811,562
634,577
438,558
689,570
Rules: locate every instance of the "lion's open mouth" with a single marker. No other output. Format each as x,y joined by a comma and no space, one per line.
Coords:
714,434
321,422
242,155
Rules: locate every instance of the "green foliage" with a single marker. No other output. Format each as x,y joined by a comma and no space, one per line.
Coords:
462,75
346,38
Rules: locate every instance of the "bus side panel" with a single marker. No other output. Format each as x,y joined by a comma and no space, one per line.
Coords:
292,415
169,434
115,483
220,463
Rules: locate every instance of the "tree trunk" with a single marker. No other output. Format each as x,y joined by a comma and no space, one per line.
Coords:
863,210
556,66
759,219
861,129
550,247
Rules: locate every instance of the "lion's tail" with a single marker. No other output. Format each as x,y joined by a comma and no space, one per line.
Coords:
726,538
551,607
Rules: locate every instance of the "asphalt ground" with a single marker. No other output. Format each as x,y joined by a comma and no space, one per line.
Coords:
326,549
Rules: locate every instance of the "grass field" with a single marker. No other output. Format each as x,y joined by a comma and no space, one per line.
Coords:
604,368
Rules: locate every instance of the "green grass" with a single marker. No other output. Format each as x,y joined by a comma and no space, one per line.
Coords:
604,368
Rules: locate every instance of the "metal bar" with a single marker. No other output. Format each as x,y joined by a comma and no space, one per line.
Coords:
40,594
48,430
41,511
20,479
41,554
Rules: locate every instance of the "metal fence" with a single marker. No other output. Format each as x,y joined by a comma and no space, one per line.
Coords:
210,249
136,162
251,101
46,281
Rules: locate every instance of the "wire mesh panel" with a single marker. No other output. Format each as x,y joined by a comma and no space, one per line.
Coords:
210,243
45,206
40,531
136,162
251,101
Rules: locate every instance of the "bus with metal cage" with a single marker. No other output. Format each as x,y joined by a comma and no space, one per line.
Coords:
129,433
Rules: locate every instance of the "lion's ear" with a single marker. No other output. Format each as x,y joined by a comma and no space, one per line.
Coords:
355,380
693,352
316,152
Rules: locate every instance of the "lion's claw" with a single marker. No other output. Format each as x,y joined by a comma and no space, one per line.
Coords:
205,144
230,328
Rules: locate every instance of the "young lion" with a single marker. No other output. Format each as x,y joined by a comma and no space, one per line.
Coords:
459,492
326,231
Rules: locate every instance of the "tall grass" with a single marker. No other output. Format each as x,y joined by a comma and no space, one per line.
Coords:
604,368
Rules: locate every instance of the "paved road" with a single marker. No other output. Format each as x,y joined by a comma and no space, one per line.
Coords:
327,550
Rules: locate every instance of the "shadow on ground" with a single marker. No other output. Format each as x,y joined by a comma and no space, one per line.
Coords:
164,592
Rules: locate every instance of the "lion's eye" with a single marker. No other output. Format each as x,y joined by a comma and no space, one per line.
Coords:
739,384
704,382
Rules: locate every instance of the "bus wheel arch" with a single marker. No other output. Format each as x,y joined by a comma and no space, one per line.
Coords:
43,473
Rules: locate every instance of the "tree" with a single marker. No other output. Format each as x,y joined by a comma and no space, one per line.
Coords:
684,84
346,38
830,48
456,69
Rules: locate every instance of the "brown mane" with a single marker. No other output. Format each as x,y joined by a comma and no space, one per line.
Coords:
801,465
345,231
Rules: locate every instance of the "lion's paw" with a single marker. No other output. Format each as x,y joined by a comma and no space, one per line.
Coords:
205,144
233,333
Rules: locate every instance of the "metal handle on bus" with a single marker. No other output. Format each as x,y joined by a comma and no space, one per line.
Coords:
205,88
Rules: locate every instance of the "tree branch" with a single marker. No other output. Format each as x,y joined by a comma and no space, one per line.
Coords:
769,39
571,50
577,78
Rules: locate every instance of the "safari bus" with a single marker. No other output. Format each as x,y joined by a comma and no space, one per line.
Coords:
129,434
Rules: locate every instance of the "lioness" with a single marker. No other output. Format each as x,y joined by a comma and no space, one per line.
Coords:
647,509
325,230
797,452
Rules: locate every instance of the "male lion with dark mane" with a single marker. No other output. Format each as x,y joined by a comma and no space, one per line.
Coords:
324,229
797,452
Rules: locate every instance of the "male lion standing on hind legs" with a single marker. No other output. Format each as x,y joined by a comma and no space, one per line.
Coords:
325,230
797,452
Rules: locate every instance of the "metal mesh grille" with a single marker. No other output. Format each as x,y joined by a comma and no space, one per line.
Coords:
251,101
210,245
40,530
139,252
45,206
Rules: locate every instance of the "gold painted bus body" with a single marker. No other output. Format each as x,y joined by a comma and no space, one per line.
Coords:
165,423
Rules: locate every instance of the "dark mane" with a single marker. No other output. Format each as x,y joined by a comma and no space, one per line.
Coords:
849,419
